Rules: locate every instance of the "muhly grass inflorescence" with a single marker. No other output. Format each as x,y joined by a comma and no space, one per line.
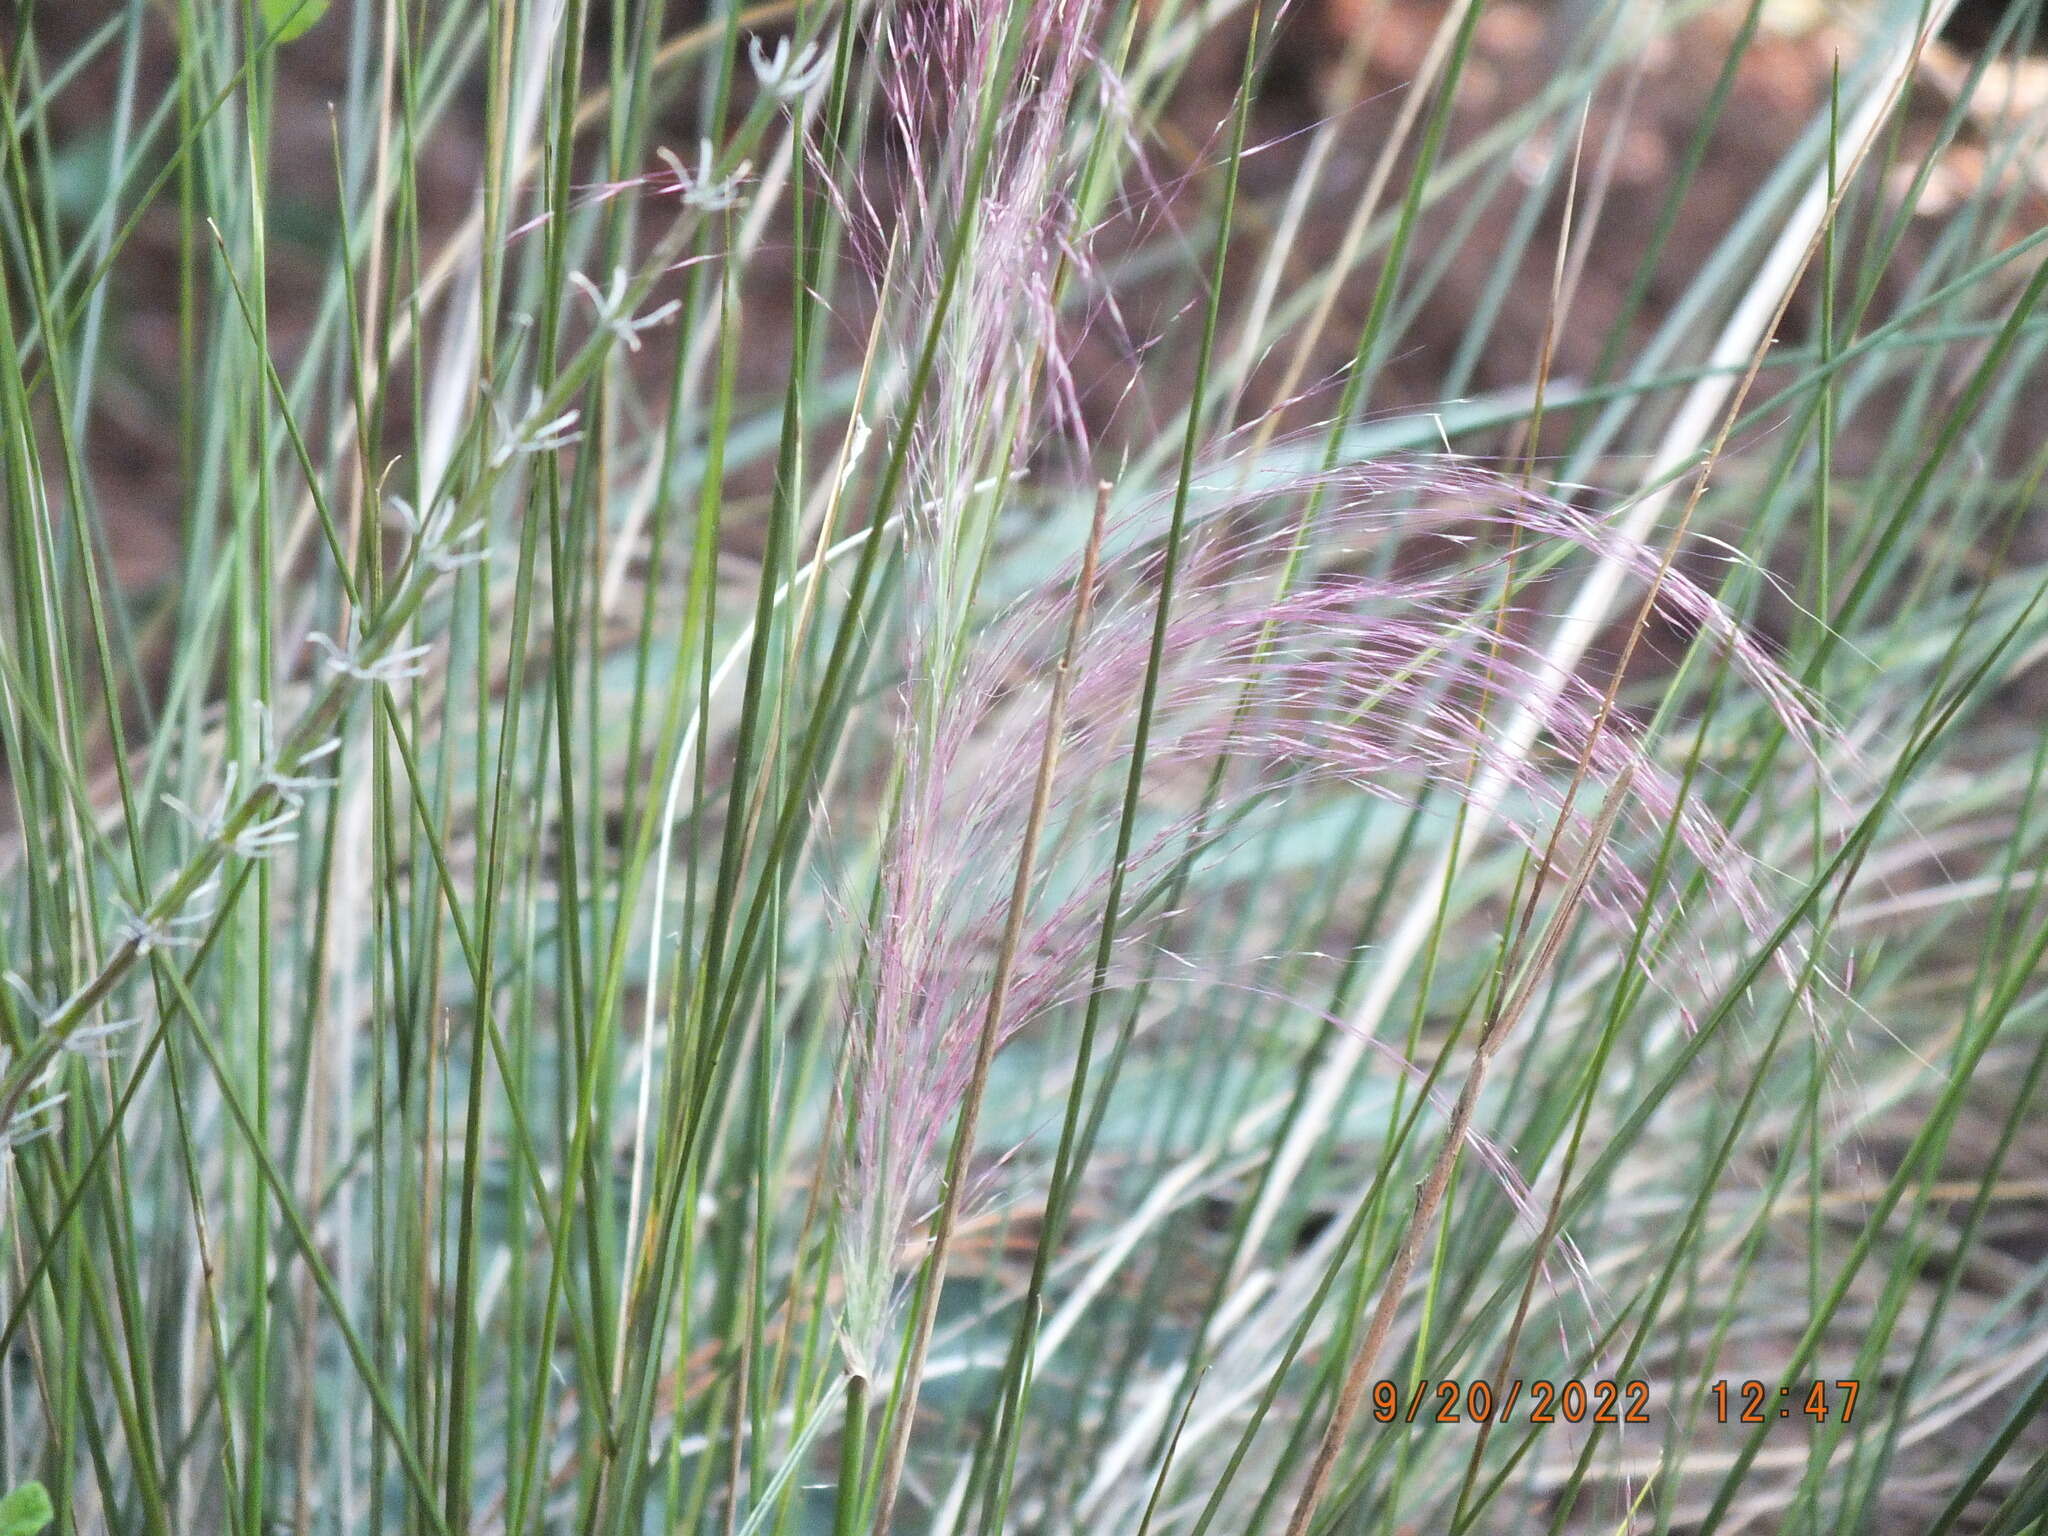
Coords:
967,229
1388,668
998,175
1383,663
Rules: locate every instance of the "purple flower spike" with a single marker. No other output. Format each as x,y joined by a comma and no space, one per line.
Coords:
1378,658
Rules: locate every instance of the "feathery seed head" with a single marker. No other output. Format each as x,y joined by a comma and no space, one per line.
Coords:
1295,690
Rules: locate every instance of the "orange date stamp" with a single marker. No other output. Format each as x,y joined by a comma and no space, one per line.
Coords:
1485,1402
1604,1402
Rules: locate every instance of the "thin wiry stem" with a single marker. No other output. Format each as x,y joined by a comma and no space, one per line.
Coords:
1429,1199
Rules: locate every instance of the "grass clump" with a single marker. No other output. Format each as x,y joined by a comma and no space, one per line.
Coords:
960,767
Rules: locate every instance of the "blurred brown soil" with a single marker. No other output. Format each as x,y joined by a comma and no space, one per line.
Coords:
1636,142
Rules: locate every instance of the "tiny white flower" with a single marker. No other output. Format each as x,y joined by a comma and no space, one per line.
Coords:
26,1125
83,1039
33,1006
403,513
530,434
612,313
410,661
147,932
258,840
433,543
96,1041
291,786
703,188
209,823
783,76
